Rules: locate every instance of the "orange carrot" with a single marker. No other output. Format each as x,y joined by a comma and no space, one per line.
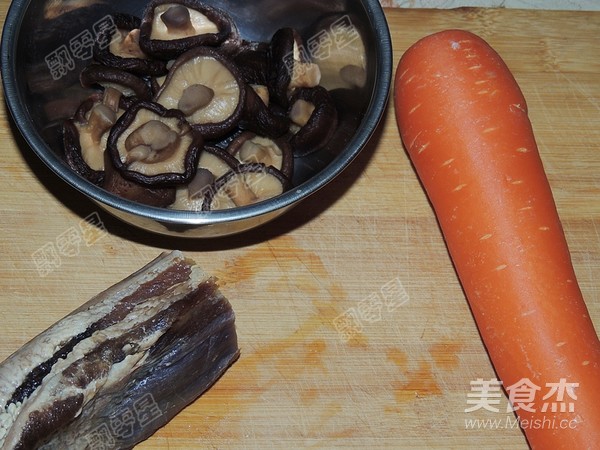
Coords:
464,123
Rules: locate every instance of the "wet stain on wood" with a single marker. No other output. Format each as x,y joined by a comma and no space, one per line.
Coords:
262,370
420,382
398,357
446,354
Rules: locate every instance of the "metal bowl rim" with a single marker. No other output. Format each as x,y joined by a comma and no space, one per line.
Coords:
29,132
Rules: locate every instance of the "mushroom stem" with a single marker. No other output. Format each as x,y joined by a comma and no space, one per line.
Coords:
100,120
194,98
153,134
301,111
138,153
262,91
256,153
305,74
201,181
240,193
177,18
112,98
129,45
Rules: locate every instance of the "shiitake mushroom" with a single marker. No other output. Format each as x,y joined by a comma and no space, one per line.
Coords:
127,83
171,27
250,147
245,185
122,50
154,146
314,115
85,135
290,65
214,162
114,182
259,116
262,101
207,87
253,57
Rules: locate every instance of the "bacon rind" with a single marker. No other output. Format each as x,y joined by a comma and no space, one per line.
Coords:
155,342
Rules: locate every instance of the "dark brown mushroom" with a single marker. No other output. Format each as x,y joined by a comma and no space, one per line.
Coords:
259,117
171,27
214,163
290,65
208,88
314,117
154,146
127,83
245,185
122,50
249,147
128,189
85,135
253,60
157,82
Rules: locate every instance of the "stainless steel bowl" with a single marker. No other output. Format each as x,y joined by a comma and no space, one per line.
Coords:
39,97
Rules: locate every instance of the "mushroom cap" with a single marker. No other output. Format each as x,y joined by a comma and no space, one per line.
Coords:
217,160
129,84
245,185
73,154
208,67
253,60
115,183
214,162
262,119
174,164
72,140
105,42
249,147
169,48
290,65
321,124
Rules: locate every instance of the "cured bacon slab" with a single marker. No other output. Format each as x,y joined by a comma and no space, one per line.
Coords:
122,365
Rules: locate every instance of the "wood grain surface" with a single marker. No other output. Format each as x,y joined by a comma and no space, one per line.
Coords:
400,378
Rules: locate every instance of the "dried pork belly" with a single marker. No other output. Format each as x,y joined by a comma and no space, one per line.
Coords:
122,365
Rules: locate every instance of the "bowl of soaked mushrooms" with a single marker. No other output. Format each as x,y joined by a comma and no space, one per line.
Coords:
196,118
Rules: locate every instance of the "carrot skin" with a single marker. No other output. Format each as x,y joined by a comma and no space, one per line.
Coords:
463,121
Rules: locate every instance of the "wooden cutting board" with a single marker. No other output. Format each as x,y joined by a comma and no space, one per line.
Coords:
353,328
